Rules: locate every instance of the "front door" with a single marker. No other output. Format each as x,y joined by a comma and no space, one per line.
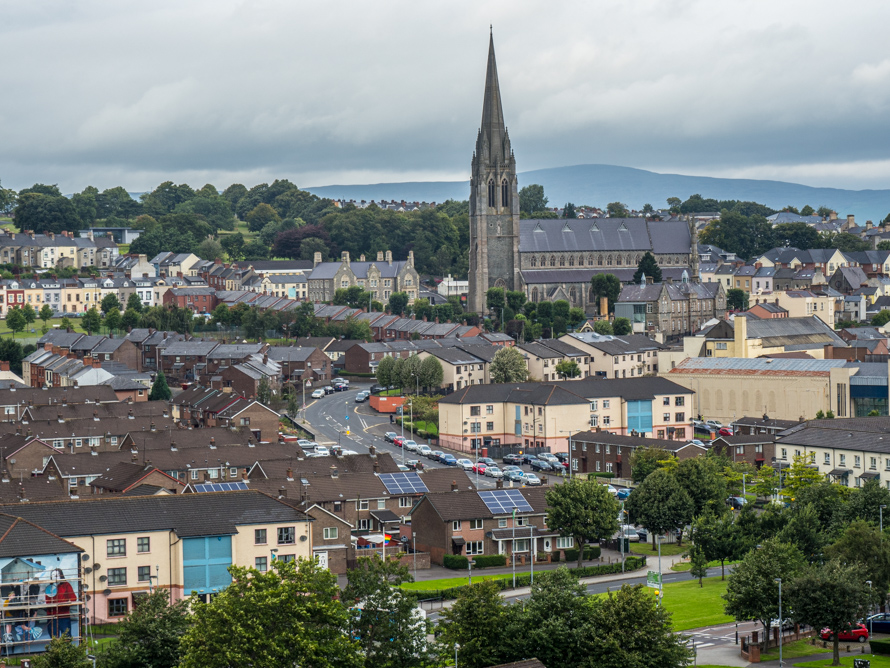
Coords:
322,559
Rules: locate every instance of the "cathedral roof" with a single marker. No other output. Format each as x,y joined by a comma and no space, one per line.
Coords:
603,234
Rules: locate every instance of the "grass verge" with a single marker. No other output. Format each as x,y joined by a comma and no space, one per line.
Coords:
684,566
667,549
37,326
877,661
694,607
793,650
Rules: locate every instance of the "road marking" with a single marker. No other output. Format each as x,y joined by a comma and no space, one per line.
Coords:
707,644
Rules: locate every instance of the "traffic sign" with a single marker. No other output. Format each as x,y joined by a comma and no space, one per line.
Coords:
653,579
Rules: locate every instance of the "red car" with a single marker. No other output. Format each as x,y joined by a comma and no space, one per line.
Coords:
858,633
725,431
479,467
398,441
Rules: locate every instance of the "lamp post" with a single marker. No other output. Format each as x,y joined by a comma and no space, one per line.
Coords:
456,648
781,663
532,541
868,582
470,563
414,548
513,549
621,534
660,581
881,517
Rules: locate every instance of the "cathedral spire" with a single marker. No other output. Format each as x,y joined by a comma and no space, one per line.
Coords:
492,131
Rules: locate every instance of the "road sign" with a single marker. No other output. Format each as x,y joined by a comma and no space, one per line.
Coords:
653,579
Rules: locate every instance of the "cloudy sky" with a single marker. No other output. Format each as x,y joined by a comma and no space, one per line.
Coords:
111,92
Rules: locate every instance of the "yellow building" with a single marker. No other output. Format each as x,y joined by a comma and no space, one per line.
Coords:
804,304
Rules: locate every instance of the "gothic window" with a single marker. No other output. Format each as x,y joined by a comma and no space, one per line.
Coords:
609,261
552,260
491,194
504,193
562,260
534,294
534,261
618,260
543,261
573,296
571,260
599,260
627,259
581,261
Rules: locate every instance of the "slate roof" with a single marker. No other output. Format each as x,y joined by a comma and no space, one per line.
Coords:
467,504
603,234
327,270
124,475
618,345
756,366
584,274
262,266
189,348
570,391
237,351
20,537
56,395
209,514
790,332
630,441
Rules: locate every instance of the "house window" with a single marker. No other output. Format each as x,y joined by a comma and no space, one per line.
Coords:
565,543
475,524
606,404
330,533
117,607
361,504
261,564
593,405
873,463
475,410
489,426
502,524
667,417
194,475
364,525
117,576
679,401
143,544
680,417
259,536
843,459
828,460
143,574
489,409
287,535
381,504
666,401
455,525
856,461
404,502
474,547
117,547
785,453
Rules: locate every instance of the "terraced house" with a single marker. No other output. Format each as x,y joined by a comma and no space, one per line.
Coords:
381,277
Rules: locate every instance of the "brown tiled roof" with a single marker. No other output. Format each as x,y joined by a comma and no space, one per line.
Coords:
121,409
71,395
124,475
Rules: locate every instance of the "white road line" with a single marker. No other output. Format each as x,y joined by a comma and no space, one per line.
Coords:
707,644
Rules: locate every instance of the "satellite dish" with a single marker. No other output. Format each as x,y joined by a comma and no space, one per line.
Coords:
96,567
106,592
103,578
87,570
85,557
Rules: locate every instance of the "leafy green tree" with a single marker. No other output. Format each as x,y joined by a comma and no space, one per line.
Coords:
29,313
165,198
261,215
354,297
531,199
576,316
621,326
46,213
645,460
617,210
134,302
209,249
475,623
716,536
516,300
833,596
160,391
568,369
113,320
61,652
150,634
508,366
91,321
233,245
735,232
385,370
807,211
264,392
46,313
288,616
674,204
766,483
881,318
582,509
802,530
844,242
884,245
65,324
796,235
495,299
110,302
233,194
383,617
752,592
7,200
603,327
431,373
221,314
703,481
648,266
398,303
861,543
608,286
15,320
800,475
698,563
660,504
737,299
864,503
130,319
568,211
11,351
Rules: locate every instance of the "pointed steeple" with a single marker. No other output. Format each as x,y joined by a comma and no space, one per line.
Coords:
493,145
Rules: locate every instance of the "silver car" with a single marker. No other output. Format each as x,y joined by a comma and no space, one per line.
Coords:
531,479
493,472
424,450
465,464
410,446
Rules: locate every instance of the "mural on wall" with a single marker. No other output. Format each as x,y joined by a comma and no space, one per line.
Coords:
39,599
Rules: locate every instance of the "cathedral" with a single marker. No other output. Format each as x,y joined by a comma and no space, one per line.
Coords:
552,259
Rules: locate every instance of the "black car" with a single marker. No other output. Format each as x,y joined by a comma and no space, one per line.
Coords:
512,459
414,465
376,388
528,459
562,456
540,465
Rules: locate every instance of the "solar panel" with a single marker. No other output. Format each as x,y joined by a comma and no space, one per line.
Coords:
403,483
222,487
503,501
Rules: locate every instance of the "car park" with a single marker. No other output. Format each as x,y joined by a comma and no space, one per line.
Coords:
423,450
479,467
465,464
541,465
388,436
493,472
528,458
317,394
562,456
548,456
398,441
435,455
512,459
516,475
448,460
410,446
531,479
859,633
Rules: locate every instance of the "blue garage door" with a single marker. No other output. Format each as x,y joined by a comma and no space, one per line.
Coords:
205,562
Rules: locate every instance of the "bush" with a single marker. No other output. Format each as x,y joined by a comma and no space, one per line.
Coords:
456,562
490,561
879,646
590,552
555,556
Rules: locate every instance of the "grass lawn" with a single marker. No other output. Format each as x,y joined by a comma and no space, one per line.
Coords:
684,566
240,226
667,549
794,650
37,326
693,606
877,661
445,583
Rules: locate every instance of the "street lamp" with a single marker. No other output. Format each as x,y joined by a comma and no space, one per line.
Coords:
470,563
868,582
456,647
781,663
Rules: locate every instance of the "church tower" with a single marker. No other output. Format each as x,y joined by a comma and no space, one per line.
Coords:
494,200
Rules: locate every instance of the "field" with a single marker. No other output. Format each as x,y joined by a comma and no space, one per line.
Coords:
877,661
692,606
667,549
37,326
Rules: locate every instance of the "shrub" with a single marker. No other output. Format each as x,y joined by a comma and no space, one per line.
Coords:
879,646
490,561
554,556
455,562
590,552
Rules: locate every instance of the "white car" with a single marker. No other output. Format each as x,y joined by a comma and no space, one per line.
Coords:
531,479
322,451
424,450
465,464
303,443
613,491
714,424
317,394
410,446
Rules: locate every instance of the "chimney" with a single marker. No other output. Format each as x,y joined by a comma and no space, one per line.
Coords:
173,447
244,475
134,456
372,451
851,219
454,485
213,443
361,257
290,474
282,493
389,257
377,467
380,256
344,257
96,416
316,260
650,280
500,483
48,347
334,473
868,225
410,258
206,476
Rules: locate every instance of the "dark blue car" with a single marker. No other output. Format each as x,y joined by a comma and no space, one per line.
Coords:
879,623
448,460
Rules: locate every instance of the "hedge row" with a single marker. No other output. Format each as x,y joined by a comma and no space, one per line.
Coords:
460,563
590,552
879,646
631,564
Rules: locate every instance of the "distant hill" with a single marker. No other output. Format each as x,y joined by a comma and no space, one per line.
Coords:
597,185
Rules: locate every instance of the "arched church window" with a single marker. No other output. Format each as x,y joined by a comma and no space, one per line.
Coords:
573,295
581,261
618,260
552,260
543,261
534,261
505,194
562,260
599,260
609,261
571,260
534,294
491,194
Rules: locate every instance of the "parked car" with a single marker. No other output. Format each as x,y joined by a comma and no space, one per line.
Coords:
376,388
612,490
317,394
512,459
516,475
510,467
465,464
725,431
713,424
303,443
736,502
360,397
448,460
643,534
479,467
697,441
487,460
403,468
388,436
531,479
423,450
623,494
547,456
414,464
879,623
398,441
410,446
435,455
528,459
322,451
859,633
562,456
493,472
629,533
541,465
340,387
787,624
